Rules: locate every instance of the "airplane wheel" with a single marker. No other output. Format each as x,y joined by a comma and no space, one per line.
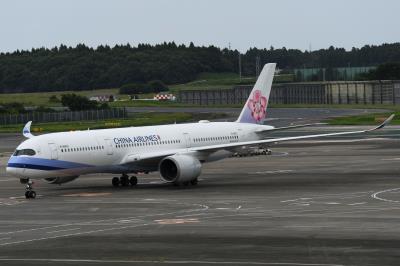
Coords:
194,182
115,181
186,183
124,181
32,194
133,181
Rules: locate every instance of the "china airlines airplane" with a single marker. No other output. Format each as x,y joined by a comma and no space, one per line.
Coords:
177,151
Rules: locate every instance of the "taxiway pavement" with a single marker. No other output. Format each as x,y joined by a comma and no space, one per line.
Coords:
316,202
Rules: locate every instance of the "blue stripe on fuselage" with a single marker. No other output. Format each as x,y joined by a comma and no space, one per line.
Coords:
42,164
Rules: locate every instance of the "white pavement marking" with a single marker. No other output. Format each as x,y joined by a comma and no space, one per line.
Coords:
273,172
64,230
72,234
18,197
283,201
174,262
391,159
129,221
5,238
281,154
319,197
375,195
357,203
202,208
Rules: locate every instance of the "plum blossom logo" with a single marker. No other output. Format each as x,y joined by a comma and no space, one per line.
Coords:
257,105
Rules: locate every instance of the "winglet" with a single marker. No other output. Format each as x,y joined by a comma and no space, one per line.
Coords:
385,123
27,130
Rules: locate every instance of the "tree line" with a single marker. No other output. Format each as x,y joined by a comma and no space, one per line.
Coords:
84,68
73,101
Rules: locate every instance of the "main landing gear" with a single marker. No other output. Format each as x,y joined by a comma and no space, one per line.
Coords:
124,181
29,193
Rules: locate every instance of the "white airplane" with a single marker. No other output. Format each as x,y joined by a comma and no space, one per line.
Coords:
177,151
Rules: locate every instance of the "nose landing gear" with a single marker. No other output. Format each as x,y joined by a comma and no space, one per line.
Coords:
29,192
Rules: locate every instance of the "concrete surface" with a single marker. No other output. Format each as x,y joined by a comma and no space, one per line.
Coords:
324,202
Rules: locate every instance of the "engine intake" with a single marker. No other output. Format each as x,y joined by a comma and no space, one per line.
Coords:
179,168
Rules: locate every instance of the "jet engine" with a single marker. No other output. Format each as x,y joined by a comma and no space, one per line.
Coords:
60,180
179,168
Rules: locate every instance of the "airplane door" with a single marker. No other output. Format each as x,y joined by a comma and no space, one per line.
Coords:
109,146
187,139
240,134
53,151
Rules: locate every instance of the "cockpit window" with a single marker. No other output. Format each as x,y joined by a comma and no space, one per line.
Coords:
28,152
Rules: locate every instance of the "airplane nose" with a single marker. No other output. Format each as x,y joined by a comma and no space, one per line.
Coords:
11,170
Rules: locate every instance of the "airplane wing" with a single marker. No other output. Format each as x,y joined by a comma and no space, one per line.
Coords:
264,133
158,155
291,127
247,143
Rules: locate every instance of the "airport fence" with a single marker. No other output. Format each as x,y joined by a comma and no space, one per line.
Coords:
335,92
41,117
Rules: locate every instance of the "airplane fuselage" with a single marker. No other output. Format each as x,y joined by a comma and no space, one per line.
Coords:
112,150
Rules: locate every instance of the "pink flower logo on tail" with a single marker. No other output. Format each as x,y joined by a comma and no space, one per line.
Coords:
257,105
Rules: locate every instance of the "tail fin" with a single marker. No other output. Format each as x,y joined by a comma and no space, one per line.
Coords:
255,108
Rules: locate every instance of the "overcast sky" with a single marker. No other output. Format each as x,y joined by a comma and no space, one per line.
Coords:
242,23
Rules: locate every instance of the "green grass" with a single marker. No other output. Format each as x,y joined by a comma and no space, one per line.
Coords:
370,119
42,98
367,119
138,119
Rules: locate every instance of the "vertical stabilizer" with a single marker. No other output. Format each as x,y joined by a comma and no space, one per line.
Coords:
255,108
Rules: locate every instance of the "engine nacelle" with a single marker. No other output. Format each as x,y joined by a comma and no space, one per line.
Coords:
179,168
60,180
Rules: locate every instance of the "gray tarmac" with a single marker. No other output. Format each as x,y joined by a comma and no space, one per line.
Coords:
317,202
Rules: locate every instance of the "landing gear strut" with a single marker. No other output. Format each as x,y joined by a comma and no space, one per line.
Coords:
124,181
29,193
